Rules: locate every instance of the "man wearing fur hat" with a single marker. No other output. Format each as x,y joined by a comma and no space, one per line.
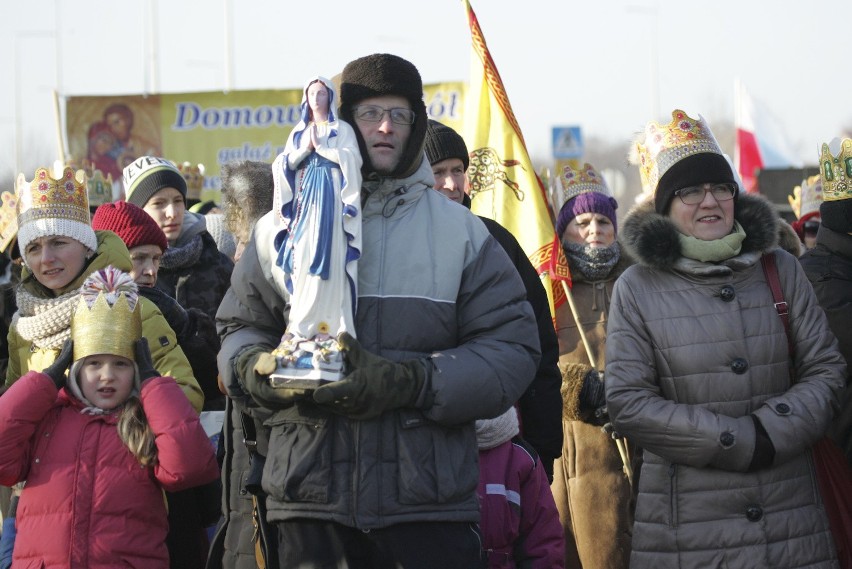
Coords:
379,469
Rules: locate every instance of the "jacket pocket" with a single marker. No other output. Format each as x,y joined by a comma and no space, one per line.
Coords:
673,495
437,464
298,467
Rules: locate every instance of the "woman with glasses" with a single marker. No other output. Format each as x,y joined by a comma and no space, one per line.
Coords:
724,389
317,190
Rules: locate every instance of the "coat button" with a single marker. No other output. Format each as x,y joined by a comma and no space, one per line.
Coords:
727,439
754,513
739,366
727,293
782,408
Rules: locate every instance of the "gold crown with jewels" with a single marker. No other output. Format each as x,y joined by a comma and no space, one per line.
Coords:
835,169
586,179
806,197
108,318
194,176
665,145
8,219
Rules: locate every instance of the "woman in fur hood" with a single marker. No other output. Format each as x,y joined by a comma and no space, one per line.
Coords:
699,375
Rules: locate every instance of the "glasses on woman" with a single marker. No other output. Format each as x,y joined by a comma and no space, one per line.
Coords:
694,195
375,113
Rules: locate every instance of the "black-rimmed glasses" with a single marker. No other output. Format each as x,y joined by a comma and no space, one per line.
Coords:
694,195
375,113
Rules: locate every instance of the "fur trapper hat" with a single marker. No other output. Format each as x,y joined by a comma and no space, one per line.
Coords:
385,74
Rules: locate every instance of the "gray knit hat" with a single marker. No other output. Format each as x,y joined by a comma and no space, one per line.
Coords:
147,175
442,142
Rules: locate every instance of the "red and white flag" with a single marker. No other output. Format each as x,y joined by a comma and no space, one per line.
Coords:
761,142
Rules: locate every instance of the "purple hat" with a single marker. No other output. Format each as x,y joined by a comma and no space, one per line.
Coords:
586,202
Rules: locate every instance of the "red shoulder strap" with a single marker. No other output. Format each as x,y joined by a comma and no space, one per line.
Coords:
771,272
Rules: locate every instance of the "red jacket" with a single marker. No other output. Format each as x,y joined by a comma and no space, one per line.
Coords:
88,503
520,525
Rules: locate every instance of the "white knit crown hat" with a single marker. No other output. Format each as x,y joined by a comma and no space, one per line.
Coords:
54,204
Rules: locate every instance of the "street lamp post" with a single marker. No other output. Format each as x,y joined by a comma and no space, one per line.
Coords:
19,38
655,63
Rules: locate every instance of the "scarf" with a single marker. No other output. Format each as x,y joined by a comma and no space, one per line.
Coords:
594,263
181,257
45,322
716,250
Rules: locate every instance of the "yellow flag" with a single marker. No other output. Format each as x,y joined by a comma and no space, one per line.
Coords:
503,184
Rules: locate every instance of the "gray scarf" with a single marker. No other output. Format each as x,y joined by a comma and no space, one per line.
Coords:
594,263
181,257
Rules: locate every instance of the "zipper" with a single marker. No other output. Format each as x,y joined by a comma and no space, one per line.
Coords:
673,495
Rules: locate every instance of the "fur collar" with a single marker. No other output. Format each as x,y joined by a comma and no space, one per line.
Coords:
652,239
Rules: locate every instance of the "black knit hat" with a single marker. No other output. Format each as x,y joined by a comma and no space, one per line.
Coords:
702,168
442,142
836,215
385,74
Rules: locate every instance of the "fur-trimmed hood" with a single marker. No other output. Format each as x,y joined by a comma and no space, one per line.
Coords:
652,239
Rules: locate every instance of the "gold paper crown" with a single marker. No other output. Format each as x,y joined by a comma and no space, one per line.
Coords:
108,318
807,197
194,176
576,182
8,219
665,145
99,189
836,171
61,197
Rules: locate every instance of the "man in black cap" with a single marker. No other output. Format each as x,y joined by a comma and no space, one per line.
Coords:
541,404
379,469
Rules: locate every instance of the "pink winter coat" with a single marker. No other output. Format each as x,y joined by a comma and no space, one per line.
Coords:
520,525
88,503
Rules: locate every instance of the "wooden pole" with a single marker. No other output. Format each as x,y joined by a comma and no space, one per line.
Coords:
60,140
621,444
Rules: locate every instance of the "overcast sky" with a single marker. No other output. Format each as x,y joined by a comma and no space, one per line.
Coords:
563,62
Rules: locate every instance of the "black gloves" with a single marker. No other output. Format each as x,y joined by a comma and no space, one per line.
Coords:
173,312
57,369
143,360
374,384
253,367
592,394
764,450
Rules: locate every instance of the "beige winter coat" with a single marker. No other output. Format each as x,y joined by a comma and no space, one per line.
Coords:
694,349
591,491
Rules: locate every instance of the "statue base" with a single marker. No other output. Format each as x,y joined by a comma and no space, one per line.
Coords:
307,363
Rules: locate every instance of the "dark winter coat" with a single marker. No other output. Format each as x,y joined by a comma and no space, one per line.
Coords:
203,284
829,269
540,406
695,353
431,283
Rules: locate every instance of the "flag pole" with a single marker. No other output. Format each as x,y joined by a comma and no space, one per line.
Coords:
620,443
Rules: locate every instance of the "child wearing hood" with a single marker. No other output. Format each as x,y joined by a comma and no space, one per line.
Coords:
98,448
520,525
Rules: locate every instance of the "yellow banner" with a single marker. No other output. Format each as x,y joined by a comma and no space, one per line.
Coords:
503,184
209,128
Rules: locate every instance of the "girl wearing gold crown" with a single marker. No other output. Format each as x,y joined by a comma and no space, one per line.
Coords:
724,386
98,448
60,249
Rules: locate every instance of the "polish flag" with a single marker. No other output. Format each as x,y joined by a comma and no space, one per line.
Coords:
761,142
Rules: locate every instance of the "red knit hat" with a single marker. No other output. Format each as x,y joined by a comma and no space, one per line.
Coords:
131,223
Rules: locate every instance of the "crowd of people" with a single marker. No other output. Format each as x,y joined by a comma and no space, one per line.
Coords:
394,388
